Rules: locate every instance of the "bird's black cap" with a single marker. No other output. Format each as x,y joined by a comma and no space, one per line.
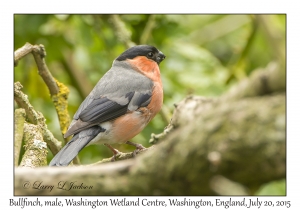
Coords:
142,50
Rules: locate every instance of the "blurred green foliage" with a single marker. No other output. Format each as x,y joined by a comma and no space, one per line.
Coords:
205,55
273,188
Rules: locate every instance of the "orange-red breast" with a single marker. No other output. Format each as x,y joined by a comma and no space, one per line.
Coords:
119,107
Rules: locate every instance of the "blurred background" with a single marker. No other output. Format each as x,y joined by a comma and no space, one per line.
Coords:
205,55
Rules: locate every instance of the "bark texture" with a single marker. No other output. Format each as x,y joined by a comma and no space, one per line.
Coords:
19,128
35,148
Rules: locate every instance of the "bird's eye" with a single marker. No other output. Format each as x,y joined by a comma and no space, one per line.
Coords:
150,55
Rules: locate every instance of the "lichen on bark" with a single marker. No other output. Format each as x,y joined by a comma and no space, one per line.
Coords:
35,148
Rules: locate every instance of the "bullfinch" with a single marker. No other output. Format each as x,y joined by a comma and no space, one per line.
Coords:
119,107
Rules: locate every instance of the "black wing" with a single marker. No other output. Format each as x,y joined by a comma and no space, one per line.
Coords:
103,109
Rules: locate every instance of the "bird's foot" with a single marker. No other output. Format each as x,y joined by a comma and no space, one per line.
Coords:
115,152
138,147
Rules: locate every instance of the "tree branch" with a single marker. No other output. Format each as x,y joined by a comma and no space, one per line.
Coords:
19,127
59,92
122,156
60,101
247,136
22,101
122,33
36,118
261,82
78,77
157,137
273,36
237,70
223,186
148,28
39,53
35,148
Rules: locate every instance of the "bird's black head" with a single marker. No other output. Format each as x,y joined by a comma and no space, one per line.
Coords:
142,50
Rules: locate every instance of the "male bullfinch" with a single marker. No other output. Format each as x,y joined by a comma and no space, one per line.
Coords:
119,107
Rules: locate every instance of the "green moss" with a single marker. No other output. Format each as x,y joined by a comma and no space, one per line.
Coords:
60,101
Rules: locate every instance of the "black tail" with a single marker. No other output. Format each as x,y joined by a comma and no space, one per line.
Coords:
74,146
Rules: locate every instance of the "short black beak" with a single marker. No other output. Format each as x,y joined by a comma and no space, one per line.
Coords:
160,57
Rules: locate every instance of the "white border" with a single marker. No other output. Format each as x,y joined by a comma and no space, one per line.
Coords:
8,8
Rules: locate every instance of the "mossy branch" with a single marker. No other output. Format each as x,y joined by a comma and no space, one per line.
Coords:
36,118
39,54
35,148
19,128
230,145
263,81
59,92
122,156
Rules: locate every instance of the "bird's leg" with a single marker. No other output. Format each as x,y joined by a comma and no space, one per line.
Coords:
137,146
115,151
